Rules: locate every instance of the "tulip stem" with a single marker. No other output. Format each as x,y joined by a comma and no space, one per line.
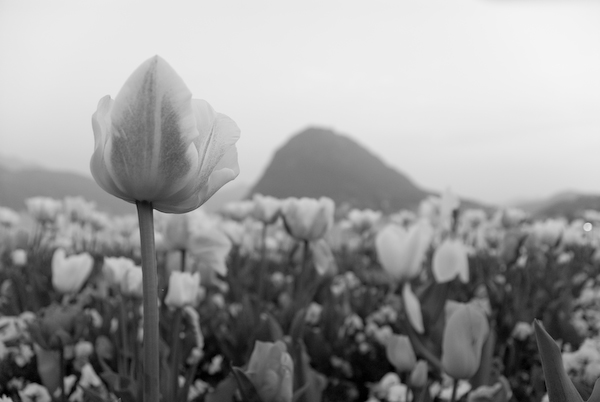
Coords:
454,389
262,268
150,295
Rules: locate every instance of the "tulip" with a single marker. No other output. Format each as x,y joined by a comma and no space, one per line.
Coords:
177,232
8,217
43,209
155,143
412,306
131,284
466,330
419,374
115,269
184,289
449,261
266,209
19,257
70,273
308,218
271,371
400,353
401,252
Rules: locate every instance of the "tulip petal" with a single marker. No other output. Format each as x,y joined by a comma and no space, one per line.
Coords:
152,127
412,305
559,385
449,261
101,126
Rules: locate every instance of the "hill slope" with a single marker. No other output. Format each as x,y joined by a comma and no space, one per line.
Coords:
318,162
18,185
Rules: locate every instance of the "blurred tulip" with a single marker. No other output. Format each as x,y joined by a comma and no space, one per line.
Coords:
238,210
70,273
155,143
419,374
115,269
401,252
323,258
362,220
400,353
79,209
271,371
266,208
8,217
131,284
412,306
43,209
33,392
466,330
308,218
449,261
184,289
177,232
19,257
499,392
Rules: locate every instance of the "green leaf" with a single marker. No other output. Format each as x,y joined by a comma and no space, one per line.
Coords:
559,385
246,387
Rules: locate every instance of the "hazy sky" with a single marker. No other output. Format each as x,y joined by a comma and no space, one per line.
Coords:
498,99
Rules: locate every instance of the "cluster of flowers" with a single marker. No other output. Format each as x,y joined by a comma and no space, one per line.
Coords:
278,300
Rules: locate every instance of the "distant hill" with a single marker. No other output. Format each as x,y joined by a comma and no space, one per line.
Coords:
568,204
18,185
319,162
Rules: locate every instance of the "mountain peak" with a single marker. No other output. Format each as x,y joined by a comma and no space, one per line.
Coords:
320,162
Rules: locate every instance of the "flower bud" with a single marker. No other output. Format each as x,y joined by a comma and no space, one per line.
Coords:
155,143
401,252
271,371
308,218
449,261
70,273
419,374
131,284
43,209
184,288
177,232
400,353
466,330
266,208
19,257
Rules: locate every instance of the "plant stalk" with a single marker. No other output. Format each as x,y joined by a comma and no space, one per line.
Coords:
150,293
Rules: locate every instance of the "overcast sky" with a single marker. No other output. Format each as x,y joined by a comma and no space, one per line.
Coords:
497,99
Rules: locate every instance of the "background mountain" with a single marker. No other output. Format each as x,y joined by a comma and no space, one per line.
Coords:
319,162
315,162
17,185
570,204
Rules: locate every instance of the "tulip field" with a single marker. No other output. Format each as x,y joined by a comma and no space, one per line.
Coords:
299,299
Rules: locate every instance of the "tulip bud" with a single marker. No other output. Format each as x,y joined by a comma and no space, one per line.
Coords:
131,285
308,218
466,330
70,273
115,269
412,306
19,257
419,374
155,143
177,233
184,289
266,209
449,261
43,209
400,353
401,252
271,371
